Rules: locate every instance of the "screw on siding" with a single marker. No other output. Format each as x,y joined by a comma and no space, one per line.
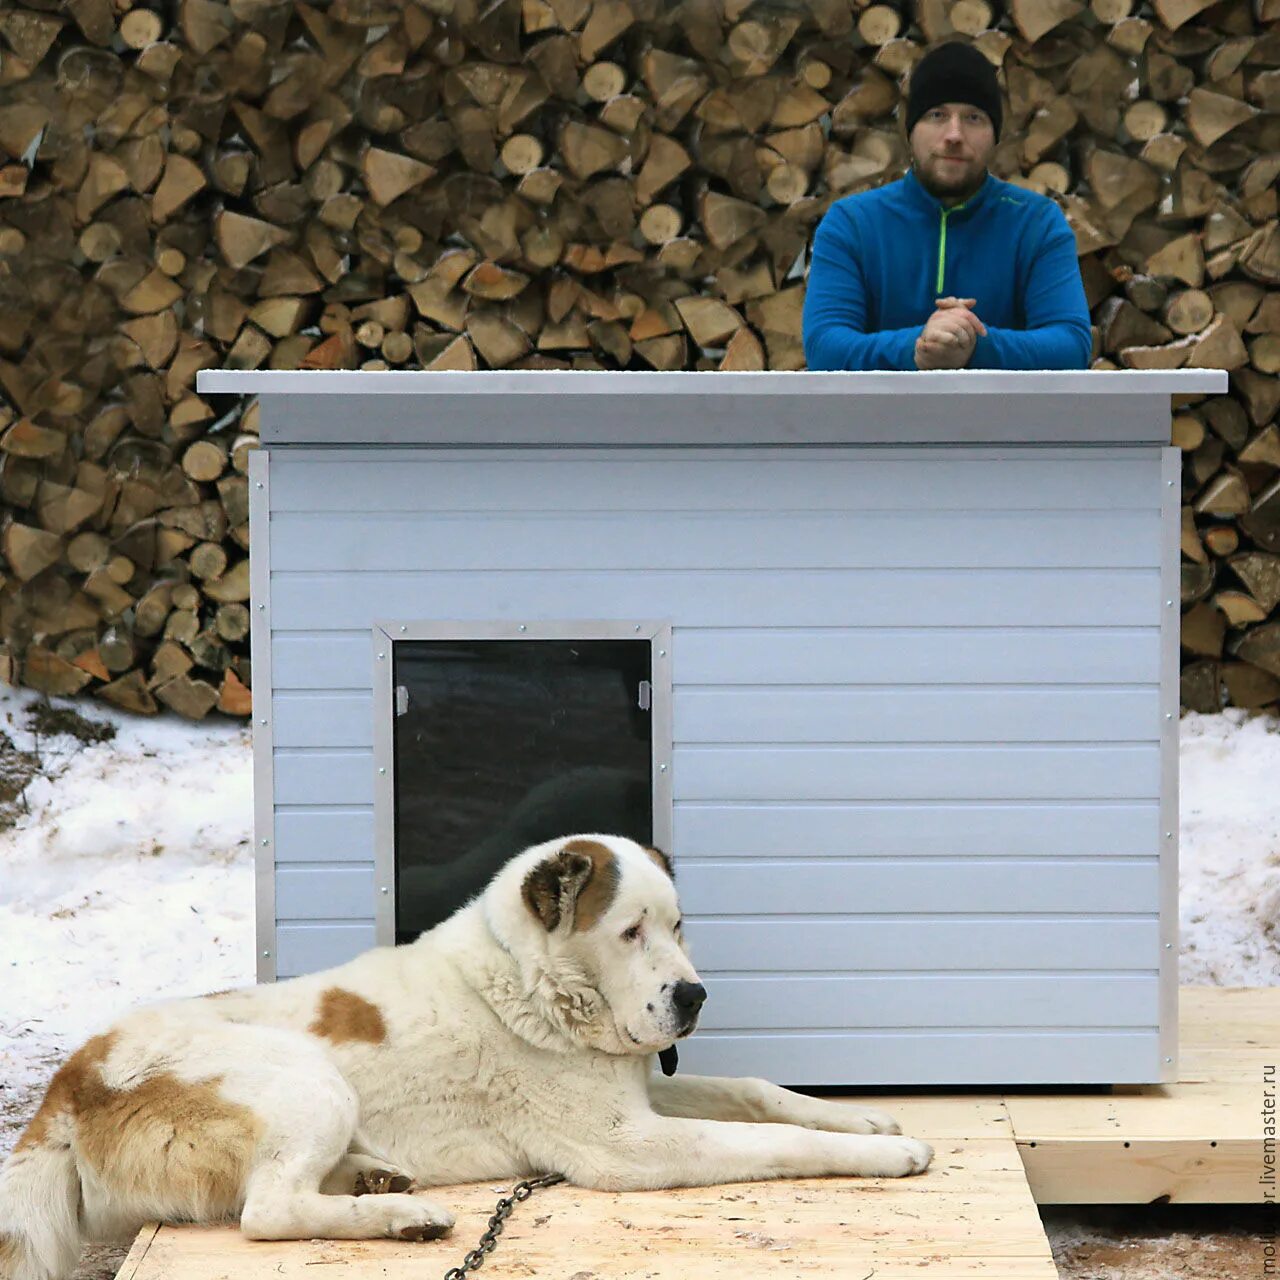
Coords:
404,629
522,627
259,484
1168,946
1168,1059
1168,835
266,955
662,768
385,889
662,653
381,656
637,626
382,771
265,843
1168,604
1168,715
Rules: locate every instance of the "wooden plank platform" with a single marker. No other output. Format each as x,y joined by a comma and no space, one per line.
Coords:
1198,1141
973,1214
973,1218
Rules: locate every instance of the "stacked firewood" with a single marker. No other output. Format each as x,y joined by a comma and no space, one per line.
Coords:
463,184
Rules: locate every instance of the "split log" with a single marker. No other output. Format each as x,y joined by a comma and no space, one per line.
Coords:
192,698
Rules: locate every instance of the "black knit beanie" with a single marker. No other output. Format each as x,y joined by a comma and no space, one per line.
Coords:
953,72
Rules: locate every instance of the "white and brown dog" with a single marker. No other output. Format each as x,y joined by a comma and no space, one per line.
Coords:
517,1037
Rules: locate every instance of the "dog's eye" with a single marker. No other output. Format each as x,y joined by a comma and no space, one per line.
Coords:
630,935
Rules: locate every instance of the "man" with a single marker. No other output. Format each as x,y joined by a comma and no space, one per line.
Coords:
949,267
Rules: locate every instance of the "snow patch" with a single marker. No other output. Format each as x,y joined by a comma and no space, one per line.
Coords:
129,878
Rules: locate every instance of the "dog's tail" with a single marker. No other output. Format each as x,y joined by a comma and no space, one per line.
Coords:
40,1236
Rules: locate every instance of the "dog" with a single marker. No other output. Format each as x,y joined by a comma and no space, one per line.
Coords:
515,1038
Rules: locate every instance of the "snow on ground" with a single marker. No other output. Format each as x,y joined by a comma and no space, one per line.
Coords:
129,878
1229,820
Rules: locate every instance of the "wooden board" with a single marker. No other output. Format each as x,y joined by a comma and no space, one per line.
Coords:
1098,1171
971,1215
1227,1034
138,1251
1196,1141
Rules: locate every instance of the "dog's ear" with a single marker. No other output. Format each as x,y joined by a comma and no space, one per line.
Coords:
552,887
576,884
661,859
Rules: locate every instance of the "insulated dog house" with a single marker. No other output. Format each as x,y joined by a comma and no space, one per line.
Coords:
888,661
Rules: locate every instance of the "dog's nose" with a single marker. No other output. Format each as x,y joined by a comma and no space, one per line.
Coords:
688,997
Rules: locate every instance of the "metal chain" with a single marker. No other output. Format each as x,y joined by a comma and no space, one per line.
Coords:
489,1241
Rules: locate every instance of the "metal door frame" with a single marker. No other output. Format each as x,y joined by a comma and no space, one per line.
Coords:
387,633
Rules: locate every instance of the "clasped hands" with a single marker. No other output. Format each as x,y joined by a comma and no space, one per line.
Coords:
950,335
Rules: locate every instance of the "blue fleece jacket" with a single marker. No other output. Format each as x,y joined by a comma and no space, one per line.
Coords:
881,258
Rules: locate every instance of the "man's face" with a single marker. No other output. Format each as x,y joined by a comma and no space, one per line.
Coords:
951,146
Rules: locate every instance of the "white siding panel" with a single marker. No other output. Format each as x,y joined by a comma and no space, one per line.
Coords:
324,893
309,719
362,543
833,715
332,660
929,655
709,480
324,777
801,598
890,829
938,944
324,834
916,773
988,1056
888,1002
723,889
305,948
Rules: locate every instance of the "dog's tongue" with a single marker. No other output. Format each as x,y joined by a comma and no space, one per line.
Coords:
667,1059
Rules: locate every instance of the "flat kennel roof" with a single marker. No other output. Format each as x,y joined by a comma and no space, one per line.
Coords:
587,407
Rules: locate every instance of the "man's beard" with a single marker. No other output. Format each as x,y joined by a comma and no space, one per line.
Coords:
949,190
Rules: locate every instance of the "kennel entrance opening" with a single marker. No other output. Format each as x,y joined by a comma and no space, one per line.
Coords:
500,738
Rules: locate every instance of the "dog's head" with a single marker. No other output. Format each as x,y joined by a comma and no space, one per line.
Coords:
597,919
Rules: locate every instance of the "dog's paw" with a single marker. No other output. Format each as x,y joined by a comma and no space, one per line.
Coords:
921,1155
905,1156
869,1120
420,1220
381,1182
423,1231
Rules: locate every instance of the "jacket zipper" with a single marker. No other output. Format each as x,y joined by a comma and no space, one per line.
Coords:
942,252
942,244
